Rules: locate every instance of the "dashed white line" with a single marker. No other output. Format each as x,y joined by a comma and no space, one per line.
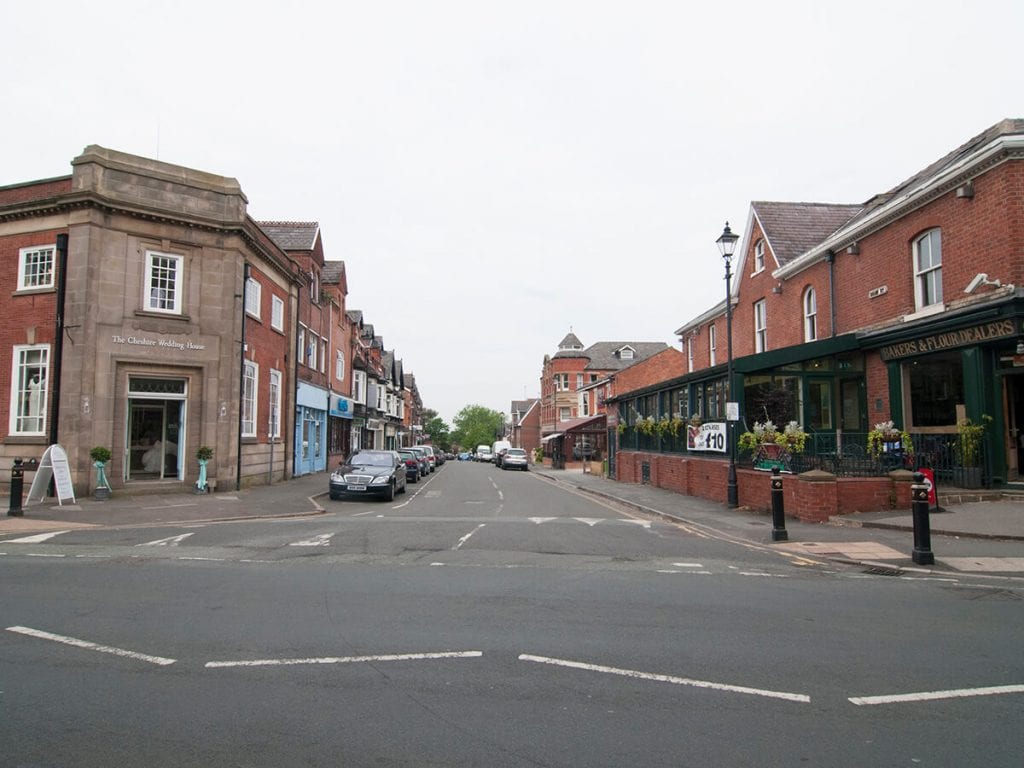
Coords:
322,540
798,697
936,695
467,537
346,659
90,646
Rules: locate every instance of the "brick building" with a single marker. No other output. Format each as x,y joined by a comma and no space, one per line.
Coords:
903,308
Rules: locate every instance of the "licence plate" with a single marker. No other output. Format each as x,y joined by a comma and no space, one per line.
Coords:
357,488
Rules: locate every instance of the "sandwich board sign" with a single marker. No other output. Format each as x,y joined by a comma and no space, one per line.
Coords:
54,464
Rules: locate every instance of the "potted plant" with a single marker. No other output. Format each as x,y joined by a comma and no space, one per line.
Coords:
771,447
100,456
203,454
968,452
886,437
647,426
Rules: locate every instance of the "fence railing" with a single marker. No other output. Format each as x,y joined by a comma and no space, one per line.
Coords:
847,455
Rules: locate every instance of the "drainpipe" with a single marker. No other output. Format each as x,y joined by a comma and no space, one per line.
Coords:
241,382
58,333
830,257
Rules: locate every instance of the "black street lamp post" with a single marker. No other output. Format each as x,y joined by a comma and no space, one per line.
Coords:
727,246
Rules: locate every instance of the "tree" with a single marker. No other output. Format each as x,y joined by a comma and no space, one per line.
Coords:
437,431
476,425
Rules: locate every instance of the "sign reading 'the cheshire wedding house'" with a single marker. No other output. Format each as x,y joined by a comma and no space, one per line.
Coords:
160,343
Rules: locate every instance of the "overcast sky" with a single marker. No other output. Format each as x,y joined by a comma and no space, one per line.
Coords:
496,173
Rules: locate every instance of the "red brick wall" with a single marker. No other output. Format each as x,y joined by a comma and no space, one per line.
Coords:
29,318
268,348
37,190
813,497
667,364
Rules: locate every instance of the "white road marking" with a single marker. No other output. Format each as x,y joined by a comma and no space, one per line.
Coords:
170,541
591,521
641,523
688,565
90,646
539,520
467,537
42,554
689,573
346,659
323,540
38,538
936,695
799,697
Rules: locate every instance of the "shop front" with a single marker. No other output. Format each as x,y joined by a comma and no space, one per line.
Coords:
311,404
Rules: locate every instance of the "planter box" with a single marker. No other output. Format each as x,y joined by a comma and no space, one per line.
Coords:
967,477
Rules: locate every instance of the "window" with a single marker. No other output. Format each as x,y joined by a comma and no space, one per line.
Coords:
253,297
712,345
928,269
277,313
311,348
689,354
339,366
759,256
163,282
274,428
626,353
302,343
564,414
579,381
936,385
359,386
323,356
29,376
35,268
380,398
584,404
314,287
249,399
561,382
760,326
810,315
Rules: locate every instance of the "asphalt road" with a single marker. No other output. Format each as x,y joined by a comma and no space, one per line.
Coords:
490,618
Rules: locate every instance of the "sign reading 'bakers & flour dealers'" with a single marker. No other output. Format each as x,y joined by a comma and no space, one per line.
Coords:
158,343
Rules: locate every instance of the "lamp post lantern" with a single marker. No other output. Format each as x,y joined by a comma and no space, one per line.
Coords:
727,246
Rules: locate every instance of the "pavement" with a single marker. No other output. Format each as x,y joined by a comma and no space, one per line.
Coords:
982,537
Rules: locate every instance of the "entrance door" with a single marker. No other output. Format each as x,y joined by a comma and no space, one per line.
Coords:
819,413
154,439
852,415
1014,426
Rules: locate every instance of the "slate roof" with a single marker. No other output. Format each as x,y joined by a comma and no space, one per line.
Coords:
570,346
603,355
332,272
792,229
292,235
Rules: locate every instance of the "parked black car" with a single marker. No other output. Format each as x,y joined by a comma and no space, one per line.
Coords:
412,465
369,473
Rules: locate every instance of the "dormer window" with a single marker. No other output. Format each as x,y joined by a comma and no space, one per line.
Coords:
626,353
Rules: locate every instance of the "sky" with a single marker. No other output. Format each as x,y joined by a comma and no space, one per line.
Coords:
496,174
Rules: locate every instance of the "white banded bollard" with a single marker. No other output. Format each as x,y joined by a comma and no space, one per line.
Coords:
17,487
922,554
778,508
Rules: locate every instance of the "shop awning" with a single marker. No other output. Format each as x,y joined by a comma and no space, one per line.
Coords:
552,436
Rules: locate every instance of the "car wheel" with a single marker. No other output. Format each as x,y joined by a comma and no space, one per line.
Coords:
405,487
335,497
390,494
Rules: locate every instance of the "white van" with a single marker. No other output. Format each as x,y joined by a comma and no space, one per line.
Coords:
483,453
498,450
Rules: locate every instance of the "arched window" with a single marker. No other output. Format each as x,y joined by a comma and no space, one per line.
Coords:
928,269
810,314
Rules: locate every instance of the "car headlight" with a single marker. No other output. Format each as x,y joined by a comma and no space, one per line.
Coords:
337,478
380,480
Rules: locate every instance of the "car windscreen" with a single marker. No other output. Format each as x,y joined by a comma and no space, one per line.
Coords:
372,459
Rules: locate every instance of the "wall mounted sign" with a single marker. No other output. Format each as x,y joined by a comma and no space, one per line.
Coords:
965,337
159,343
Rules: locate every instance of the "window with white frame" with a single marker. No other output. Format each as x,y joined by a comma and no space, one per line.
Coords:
579,381
323,356
339,366
302,343
584,404
380,398
312,345
253,297
277,313
928,269
626,353
810,304
249,379
35,267
759,256
274,423
29,375
712,344
359,386
689,353
164,282
561,382
760,326
564,414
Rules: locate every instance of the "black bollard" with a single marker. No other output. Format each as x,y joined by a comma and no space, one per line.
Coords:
778,508
922,554
17,488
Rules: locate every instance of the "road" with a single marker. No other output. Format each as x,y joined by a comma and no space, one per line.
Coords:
491,618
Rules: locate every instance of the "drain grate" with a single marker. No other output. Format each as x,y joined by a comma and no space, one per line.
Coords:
881,570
